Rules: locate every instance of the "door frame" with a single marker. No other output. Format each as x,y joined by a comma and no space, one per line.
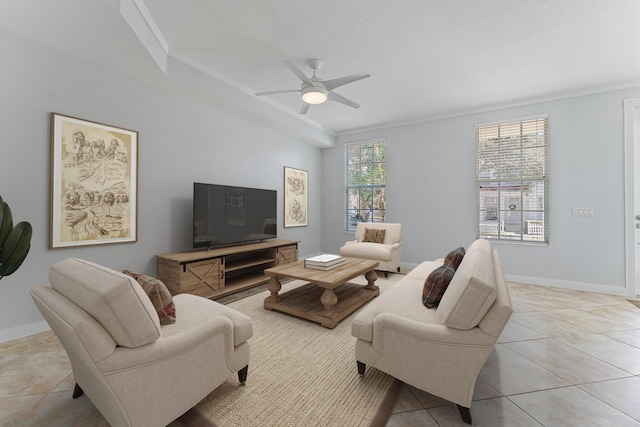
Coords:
631,129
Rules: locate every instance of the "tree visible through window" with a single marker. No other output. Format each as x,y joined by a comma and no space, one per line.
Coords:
512,180
365,182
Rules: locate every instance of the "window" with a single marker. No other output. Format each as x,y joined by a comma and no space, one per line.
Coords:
365,182
513,180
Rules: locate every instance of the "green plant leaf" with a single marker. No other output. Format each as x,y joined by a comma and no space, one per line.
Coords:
17,244
6,222
7,269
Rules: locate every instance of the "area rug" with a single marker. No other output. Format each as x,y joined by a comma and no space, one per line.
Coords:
301,374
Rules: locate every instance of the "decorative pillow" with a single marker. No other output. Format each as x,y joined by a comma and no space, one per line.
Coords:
158,294
436,284
373,235
454,258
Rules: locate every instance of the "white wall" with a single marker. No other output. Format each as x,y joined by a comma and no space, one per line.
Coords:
431,190
180,141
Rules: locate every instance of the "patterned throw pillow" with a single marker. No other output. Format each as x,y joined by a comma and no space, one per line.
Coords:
436,284
158,294
373,235
454,258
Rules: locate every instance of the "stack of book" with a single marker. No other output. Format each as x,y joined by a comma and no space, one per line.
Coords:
324,262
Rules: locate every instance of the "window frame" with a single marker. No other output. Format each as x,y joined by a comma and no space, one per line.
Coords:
526,186
372,213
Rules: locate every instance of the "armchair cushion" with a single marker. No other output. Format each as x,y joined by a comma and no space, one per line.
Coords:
113,299
374,235
158,294
367,250
472,290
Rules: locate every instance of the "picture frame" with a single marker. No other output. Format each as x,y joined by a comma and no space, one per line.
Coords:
295,197
94,180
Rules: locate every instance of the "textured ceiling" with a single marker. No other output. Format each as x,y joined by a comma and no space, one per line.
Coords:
427,58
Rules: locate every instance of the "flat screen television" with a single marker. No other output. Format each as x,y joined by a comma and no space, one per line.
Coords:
225,215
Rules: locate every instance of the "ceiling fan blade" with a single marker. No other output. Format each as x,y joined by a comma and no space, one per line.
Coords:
273,92
304,108
341,81
298,72
341,99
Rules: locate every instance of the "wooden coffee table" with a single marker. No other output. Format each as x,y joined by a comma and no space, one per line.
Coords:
328,298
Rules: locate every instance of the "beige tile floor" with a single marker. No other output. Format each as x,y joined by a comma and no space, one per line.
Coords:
566,358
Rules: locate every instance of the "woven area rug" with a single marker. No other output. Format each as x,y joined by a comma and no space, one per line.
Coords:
300,374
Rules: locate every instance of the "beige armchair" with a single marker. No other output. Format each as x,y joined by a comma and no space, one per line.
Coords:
440,350
136,371
388,252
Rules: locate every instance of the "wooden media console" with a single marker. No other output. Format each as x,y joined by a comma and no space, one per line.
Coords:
223,271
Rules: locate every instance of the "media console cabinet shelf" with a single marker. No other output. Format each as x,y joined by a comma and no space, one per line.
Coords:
223,271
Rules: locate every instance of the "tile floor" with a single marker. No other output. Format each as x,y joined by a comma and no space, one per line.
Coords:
566,358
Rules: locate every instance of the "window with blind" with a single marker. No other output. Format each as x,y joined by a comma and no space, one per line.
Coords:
513,180
365,182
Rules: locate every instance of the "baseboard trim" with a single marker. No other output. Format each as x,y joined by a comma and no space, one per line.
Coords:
565,284
23,331
568,284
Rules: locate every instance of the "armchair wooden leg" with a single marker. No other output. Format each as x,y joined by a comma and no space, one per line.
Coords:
77,391
465,413
361,367
242,374
386,274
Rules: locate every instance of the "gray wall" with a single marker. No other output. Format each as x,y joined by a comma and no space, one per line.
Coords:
431,191
180,141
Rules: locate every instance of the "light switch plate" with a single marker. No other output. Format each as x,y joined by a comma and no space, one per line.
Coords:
582,212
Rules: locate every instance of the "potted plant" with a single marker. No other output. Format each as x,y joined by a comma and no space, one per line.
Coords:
15,242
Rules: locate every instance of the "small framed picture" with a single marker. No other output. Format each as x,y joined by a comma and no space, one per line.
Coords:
295,197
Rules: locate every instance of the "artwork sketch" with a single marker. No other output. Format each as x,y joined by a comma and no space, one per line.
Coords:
93,183
295,197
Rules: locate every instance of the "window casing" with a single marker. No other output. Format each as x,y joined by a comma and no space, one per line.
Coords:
512,162
365,182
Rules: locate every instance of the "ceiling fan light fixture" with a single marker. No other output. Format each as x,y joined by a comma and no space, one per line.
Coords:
314,95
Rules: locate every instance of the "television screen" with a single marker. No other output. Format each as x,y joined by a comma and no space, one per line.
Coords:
227,215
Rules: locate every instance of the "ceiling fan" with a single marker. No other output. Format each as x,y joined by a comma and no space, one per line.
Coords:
314,90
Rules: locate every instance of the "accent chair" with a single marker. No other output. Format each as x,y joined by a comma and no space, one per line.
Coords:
377,241
135,370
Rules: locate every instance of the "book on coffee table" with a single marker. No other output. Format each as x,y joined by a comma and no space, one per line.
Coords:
324,262
325,267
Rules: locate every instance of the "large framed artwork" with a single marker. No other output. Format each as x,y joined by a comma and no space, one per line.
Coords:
295,197
94,179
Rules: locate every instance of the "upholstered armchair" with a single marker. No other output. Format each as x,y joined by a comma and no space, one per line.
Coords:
135,370
441,349
377,241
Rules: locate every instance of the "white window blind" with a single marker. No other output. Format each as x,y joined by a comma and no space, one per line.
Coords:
513,180
365,182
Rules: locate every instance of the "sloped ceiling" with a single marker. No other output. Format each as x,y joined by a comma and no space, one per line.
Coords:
427,58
